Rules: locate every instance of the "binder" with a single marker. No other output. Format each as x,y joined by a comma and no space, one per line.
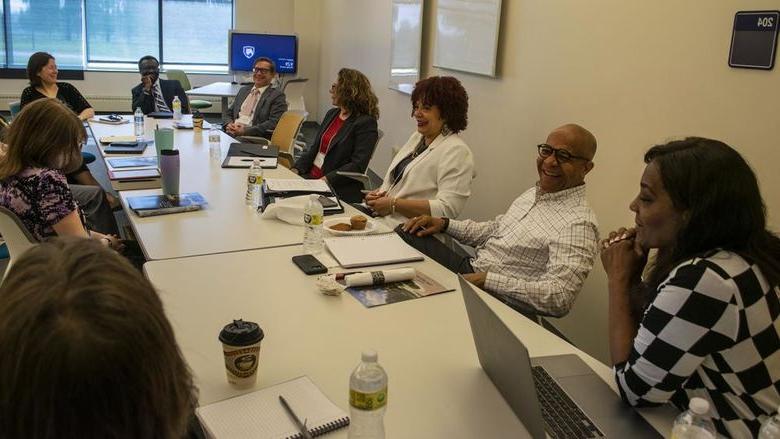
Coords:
241,155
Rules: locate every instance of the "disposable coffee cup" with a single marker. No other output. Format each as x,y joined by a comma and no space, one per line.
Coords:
163,139
241,346
197,121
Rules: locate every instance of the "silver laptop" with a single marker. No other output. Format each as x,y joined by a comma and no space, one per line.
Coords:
556,396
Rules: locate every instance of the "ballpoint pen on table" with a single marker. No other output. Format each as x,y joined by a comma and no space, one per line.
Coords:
300,426
250,153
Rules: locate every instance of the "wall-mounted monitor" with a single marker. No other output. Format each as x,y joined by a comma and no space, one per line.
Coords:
245,47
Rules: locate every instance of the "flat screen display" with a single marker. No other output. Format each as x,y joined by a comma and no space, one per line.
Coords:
246,47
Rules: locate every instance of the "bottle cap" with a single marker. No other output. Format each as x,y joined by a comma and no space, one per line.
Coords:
699,406
369,356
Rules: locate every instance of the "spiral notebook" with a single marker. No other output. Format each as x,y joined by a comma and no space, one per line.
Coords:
259,415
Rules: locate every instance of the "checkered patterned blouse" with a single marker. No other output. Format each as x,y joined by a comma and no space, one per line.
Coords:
712,331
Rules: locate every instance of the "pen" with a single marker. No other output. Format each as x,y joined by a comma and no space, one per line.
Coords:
301,427
250,153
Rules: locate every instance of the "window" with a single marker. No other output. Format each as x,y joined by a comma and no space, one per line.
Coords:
52,26
114,34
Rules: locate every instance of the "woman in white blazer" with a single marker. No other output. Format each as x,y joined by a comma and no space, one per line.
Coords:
432,172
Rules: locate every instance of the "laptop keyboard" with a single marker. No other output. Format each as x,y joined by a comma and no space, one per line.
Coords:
562,417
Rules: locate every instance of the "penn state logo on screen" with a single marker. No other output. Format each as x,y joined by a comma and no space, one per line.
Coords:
249,51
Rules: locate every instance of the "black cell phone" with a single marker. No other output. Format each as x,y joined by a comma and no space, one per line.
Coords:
327,202
309,264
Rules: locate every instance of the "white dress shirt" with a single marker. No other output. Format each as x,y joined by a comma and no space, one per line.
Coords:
249,105
539,253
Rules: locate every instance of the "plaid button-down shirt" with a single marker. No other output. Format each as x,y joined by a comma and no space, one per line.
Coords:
539,253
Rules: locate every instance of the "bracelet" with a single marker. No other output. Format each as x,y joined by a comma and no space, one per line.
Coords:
392,208
446,223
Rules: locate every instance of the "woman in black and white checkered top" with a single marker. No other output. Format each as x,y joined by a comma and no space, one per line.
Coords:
705,321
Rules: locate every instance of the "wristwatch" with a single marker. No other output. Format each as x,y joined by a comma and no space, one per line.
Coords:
446,223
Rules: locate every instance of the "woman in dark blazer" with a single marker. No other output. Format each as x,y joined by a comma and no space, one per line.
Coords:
347,136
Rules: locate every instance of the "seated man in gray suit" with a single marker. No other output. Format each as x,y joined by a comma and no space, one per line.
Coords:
258,107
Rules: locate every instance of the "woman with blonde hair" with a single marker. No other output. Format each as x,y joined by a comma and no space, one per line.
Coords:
42,145
347,136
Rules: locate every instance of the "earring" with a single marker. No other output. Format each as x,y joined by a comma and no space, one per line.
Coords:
445,130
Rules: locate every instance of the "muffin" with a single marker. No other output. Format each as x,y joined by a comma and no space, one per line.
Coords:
341,227
358,222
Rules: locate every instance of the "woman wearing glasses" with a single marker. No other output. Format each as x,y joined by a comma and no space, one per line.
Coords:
432,173
347,136
257,107
705,320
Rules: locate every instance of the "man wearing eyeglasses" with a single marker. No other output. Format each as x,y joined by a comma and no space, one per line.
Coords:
258,107
535,257
154,94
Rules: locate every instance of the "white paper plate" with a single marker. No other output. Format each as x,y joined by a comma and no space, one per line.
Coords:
370,227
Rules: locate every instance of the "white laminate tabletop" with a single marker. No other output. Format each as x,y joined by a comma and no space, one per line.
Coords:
227,224
221,89
437,388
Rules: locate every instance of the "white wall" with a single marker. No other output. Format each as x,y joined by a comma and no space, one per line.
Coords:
250,15
635,73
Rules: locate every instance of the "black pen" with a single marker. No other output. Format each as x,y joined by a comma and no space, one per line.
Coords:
301,426
250,153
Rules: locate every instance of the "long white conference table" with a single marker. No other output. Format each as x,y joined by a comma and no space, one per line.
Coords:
437,388
226,224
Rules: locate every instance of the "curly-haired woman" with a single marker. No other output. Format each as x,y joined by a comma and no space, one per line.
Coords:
431,174
347,136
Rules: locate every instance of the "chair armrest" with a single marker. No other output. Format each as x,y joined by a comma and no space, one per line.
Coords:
254,139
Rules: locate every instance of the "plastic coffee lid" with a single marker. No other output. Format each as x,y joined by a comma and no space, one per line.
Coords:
699,406
241,333
369,356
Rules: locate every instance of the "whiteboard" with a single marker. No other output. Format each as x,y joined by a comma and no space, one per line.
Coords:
406,43
467,35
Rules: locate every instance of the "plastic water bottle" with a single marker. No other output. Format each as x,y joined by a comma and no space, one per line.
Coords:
694,422
214,143
312,219
770,429
367,399
176,108
254,182
138,124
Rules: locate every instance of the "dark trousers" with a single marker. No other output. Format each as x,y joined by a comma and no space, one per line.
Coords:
455,259
92,201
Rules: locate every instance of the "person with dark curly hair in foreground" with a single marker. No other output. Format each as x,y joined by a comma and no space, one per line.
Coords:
432,172
86,350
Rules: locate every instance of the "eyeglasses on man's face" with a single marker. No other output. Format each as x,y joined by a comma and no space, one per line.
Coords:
262,70
563,156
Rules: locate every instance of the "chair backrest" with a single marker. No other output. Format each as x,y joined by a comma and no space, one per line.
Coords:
293,91
14,107
17,237
3,126
179,75
287,130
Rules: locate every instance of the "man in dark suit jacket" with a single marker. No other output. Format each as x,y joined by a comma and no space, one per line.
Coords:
153,91
258,107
